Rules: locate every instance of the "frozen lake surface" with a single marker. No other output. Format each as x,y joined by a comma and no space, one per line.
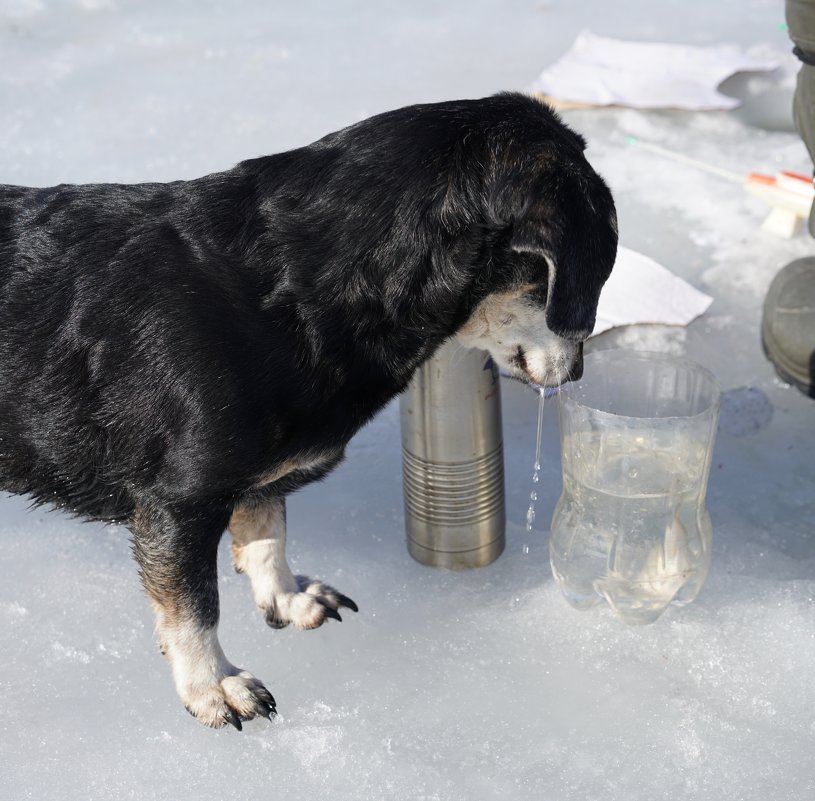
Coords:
478,685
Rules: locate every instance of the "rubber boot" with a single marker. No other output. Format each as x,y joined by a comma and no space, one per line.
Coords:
788,324
788,321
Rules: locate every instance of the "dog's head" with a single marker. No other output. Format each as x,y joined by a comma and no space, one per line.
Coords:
554,241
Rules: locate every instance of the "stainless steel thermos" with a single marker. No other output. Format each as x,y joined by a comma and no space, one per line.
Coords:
453,460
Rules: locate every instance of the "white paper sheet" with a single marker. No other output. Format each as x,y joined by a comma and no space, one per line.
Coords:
598,71
642,291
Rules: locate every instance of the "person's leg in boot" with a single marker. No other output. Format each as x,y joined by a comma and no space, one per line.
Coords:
788,323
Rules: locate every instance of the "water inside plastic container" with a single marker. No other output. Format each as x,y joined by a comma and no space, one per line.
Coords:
628,527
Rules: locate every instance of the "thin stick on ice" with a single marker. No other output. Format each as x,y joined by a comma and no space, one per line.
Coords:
789,194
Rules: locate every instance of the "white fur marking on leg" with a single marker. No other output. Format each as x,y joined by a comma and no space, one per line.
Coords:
209,685
259,535
259,547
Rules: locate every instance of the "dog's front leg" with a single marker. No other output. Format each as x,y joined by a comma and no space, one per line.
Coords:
258,529
176,548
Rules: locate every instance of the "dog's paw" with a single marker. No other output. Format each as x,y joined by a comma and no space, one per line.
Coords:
233,699
307,607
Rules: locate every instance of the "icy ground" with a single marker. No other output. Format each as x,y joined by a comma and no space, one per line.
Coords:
478,685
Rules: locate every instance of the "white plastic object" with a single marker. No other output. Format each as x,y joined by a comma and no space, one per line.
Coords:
790,195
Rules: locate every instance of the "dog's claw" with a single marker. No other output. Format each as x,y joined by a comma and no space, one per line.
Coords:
344,600
267,698
274,622
332,613
232,718
266,704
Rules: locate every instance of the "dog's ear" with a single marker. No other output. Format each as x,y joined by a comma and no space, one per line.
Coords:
568,220
582,256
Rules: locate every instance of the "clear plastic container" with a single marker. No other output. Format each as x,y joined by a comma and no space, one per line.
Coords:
631,526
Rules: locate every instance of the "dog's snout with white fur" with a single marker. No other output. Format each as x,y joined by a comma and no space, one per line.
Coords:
553,364
513,329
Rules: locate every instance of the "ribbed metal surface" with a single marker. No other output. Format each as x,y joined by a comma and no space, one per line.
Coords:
452,460
454,494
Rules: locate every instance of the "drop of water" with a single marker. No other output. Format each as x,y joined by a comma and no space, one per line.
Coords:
633,472
533,496
526,549
538,432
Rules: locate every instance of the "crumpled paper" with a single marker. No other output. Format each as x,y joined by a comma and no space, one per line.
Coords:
640,291
598,71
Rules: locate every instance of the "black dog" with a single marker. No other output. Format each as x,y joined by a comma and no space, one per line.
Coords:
179,357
